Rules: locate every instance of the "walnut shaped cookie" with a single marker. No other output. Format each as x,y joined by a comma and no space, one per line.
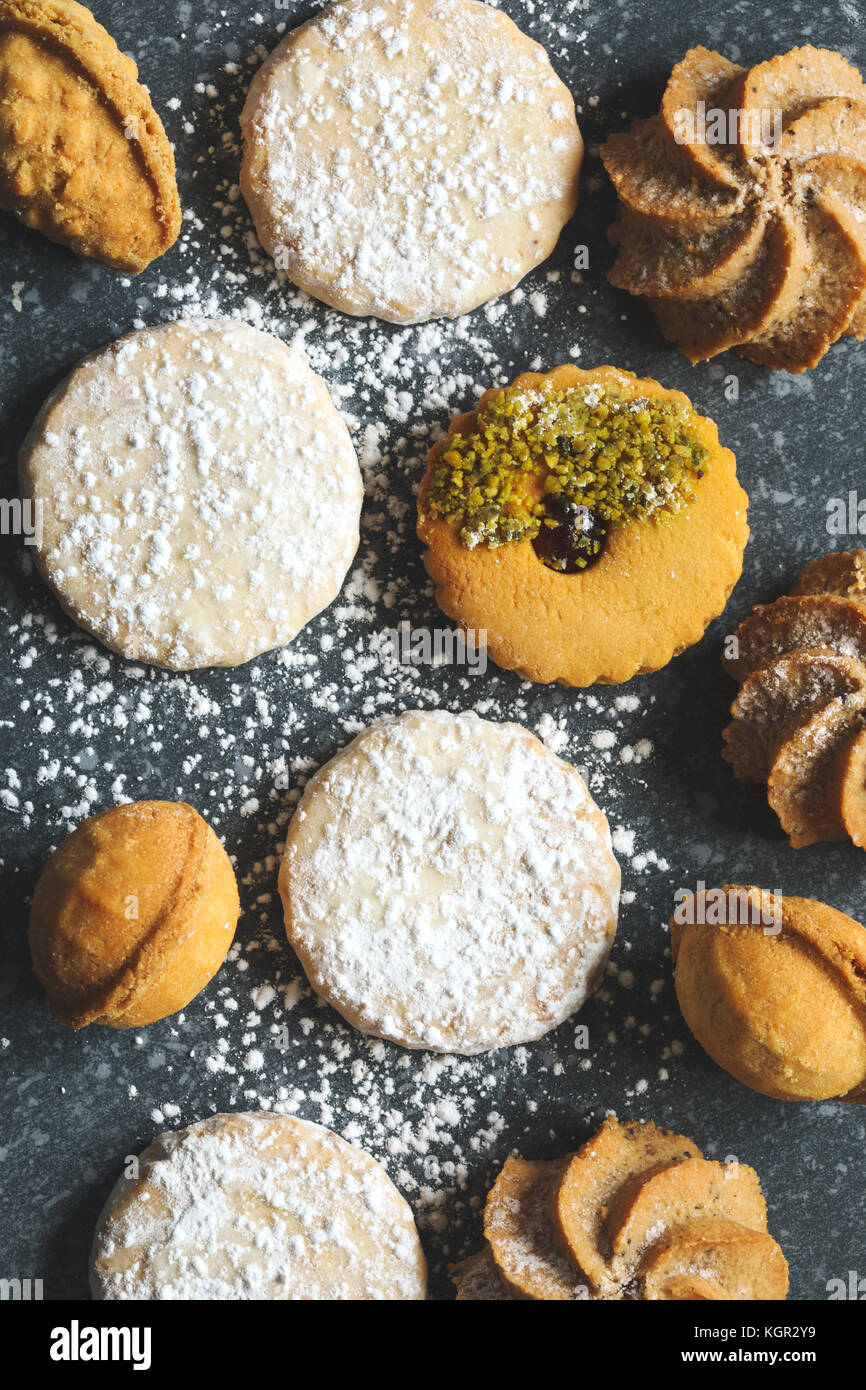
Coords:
775,991
84,158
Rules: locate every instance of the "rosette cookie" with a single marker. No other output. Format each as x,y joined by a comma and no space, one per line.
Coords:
799,720
638,1213
742,204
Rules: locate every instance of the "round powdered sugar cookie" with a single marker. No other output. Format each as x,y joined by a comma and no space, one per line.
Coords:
198,494
448,883
409,158
256,1206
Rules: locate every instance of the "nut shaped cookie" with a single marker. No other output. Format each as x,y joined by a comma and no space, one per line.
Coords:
257,1206
84,158
654,588
132,915
784,1011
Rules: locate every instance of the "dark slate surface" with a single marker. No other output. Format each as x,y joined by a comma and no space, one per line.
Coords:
80,728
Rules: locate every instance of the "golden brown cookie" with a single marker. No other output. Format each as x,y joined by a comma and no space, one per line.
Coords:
132,915
783,1010
519,1226
506,497
741,207
617,1155
638,1213
84,158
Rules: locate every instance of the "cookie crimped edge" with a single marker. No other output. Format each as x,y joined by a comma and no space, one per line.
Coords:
610,672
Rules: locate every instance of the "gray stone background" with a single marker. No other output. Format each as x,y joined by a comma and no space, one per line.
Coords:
80,728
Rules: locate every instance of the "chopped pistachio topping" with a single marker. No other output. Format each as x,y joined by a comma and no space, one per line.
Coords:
589,451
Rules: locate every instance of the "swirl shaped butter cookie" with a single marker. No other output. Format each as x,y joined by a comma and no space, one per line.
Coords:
637,1214
741,206
799,720
448,883
256,1206
198,492
409,159
587,524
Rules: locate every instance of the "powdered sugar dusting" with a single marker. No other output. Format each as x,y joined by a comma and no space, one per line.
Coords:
409,159
200,492
252,1207
449,884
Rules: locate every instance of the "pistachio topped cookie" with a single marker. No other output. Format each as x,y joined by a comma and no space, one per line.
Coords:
587,524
